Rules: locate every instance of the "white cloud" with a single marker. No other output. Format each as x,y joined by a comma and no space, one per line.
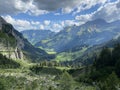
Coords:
46,22
35,23
84,18
38,7
57,14
56,27
42,27
67,10
22,24
110,12
88,4
20,6
70,23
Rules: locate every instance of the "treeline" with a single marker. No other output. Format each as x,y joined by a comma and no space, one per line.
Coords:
107,62
59,64
6,63
104,74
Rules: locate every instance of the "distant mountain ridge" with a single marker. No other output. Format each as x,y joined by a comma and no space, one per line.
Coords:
35,36
15,46
91,33
90,54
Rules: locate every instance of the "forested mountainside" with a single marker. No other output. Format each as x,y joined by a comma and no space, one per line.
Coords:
15,46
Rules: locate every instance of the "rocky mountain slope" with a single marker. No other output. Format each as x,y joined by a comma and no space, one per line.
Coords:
15,46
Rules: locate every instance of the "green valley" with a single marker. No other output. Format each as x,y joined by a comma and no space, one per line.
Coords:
59,44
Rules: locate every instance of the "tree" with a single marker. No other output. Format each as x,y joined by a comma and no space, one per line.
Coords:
117,68
66,82
105,59
2,86
110,83
116,53
50,88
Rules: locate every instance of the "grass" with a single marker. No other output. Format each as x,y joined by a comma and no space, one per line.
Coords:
69,56
51,52
45,41
63,68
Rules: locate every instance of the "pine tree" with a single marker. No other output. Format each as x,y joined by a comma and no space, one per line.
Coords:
66,82
117,67
110,83
105,59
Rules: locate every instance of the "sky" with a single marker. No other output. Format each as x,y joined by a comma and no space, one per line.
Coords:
54,15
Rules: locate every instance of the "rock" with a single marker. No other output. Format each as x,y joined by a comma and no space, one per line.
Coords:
13,44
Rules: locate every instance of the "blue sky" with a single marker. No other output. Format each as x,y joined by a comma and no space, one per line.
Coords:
54,15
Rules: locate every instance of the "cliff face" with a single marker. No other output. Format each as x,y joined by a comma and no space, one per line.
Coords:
13,45
9,44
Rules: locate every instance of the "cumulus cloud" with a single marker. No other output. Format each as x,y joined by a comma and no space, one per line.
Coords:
67,5
110,12
88,4
46,22
38,7
22,24
19,6
84,18
42,27
61,24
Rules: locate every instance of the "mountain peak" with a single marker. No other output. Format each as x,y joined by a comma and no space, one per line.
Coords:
2,21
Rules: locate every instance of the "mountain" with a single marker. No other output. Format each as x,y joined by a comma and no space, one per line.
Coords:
89,34
35,36
14,45
89,55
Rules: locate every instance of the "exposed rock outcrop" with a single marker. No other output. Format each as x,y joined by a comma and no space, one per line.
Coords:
15,46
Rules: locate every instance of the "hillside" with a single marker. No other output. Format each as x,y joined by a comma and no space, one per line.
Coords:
15,46
89,55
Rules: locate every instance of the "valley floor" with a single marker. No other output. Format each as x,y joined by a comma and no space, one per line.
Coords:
24,79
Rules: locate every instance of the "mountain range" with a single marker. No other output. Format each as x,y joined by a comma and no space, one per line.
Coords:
77,43
89,34
73,43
